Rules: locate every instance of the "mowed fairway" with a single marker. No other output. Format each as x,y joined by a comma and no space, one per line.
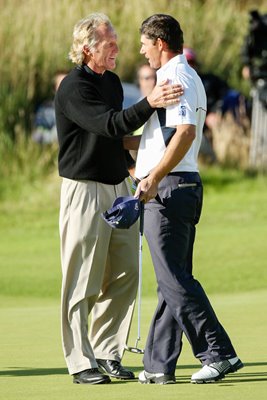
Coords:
32,366
230,261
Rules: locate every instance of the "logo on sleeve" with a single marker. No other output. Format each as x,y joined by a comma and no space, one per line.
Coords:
182,111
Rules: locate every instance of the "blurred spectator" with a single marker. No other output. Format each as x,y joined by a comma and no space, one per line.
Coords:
146,79
254,51
221,100
254,58
44,124
131,94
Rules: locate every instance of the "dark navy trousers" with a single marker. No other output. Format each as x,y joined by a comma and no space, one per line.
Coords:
183,306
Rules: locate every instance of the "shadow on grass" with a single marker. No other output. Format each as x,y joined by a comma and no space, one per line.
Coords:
23,372
238,377
20,371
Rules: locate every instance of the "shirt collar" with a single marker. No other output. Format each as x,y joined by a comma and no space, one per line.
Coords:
180,58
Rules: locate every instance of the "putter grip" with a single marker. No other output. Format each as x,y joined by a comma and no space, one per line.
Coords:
142,210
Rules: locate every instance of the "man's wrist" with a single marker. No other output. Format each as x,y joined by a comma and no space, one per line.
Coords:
150,102
156,177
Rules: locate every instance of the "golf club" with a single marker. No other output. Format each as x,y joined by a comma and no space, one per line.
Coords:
136,349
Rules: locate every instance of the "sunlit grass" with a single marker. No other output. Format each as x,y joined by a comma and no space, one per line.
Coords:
230,254
32,363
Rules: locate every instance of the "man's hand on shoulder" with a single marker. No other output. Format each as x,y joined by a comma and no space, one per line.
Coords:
164,95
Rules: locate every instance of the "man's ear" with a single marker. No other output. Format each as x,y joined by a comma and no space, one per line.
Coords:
162,45
86,50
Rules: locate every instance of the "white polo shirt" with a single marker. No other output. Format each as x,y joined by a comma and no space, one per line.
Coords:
161,126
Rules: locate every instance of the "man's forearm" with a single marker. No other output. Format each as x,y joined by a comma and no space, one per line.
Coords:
177,148
175,151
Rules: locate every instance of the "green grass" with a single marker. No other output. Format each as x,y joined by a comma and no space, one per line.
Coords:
230,252
230,255
32,365
29,249
230,262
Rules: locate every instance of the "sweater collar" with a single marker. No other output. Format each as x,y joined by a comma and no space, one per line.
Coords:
91,72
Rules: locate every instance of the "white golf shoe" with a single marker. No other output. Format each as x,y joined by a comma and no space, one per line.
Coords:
159,378
216,370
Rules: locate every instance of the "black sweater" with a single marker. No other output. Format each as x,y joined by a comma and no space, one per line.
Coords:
91,124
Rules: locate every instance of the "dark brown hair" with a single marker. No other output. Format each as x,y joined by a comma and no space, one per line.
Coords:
166,28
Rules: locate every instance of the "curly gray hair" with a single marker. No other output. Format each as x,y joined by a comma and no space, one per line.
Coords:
84,33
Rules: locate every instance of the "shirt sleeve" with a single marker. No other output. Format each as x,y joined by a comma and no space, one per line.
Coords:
185,111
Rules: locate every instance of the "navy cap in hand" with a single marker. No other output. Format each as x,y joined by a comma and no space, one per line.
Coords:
123,213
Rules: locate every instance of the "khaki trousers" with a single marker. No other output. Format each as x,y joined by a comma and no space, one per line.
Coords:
99,274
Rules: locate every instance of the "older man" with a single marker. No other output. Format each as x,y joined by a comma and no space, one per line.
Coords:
99,265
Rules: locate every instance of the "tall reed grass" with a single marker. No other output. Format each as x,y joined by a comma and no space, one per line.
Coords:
23,163
35,37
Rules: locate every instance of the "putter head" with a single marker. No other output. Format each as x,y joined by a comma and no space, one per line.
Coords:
134,350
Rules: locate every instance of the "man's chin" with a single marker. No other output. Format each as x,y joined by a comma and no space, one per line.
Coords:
112,65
